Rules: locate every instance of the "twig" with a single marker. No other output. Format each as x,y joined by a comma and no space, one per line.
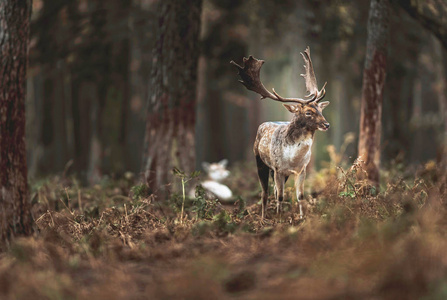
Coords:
127,217
183,202
40,218
68,199
52,220
80,200
66,206
349,181
100,219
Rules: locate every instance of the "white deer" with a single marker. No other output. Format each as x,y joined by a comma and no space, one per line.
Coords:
216,172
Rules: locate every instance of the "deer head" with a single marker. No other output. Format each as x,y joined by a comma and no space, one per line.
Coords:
216,171
306,109
309,115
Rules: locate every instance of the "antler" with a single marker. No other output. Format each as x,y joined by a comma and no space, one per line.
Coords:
311,80
250,75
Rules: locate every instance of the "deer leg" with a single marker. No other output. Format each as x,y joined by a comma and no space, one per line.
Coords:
263,174
299,187
272,174
276,191
279,184
274,187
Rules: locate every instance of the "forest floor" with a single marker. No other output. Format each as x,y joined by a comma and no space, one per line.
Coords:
116,241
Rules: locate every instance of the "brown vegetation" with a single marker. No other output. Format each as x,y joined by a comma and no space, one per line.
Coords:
99,243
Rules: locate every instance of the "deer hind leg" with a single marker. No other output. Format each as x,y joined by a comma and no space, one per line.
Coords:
279,184
299,187
263,174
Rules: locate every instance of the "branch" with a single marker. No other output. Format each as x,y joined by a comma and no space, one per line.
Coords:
429,22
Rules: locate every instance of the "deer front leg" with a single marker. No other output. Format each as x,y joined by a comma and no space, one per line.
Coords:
299,187
279,185
274,187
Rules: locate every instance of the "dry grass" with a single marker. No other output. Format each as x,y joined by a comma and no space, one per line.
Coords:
355,243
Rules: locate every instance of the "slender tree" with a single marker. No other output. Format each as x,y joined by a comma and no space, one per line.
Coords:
222,111
170,125
51,132
372,92
15,217
144,24
443,106
100,51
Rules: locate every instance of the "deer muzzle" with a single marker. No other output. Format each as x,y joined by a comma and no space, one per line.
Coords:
324,126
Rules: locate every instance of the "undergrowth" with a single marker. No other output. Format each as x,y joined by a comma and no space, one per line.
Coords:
116,240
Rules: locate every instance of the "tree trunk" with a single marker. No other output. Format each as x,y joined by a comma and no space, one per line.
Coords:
60,118
101,78
170,124
14,205
372,92
443,152
224,115
202,127
443,107
94,171
124,82
53,134
46,135
83,95
140,62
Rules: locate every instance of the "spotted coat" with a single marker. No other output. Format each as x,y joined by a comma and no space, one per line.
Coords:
283,149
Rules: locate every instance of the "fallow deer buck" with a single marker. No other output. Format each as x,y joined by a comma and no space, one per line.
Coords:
284,148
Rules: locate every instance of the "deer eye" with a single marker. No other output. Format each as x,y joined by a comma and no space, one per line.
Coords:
308,114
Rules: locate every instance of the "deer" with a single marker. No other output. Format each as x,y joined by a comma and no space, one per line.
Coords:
217,172
283,149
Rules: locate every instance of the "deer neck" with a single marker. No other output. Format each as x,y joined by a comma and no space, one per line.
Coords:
298,130
213,179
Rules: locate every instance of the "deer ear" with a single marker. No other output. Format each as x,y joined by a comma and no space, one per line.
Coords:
223,162
322,105
206,166
292,108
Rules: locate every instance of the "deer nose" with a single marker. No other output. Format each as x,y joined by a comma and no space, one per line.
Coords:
326,125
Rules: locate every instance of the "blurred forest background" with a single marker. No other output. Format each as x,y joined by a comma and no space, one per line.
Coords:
90,66
119,93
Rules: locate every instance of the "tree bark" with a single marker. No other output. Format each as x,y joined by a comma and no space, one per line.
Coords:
443,107
372,92
15,216
170,124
